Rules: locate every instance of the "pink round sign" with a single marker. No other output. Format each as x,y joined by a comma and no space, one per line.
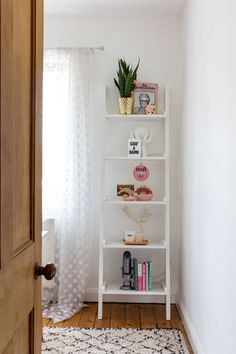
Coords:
141,172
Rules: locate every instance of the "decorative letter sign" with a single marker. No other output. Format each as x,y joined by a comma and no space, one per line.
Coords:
134,148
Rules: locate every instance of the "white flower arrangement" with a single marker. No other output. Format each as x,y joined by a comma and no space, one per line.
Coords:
140,218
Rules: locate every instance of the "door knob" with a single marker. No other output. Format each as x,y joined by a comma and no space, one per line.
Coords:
49,271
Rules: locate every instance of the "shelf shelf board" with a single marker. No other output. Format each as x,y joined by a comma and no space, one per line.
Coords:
126,158
149,246
134,117
114,289
123,202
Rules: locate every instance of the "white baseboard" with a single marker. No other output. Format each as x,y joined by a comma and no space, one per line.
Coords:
92,296
191,333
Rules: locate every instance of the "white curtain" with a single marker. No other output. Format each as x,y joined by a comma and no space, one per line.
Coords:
67,173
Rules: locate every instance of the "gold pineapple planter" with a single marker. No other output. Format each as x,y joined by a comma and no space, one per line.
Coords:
130,105
126,105
122,105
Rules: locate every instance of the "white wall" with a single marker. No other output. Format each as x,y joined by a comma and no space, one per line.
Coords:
157,41
208,261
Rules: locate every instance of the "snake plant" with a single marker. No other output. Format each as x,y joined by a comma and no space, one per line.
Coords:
126,75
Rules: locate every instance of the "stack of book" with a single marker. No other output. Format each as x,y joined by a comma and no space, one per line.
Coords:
142,279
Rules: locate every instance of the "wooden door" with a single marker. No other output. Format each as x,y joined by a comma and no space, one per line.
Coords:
21,55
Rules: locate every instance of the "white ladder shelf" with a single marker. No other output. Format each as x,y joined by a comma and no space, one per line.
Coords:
159,289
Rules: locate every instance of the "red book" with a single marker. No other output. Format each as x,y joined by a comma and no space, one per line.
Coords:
144,276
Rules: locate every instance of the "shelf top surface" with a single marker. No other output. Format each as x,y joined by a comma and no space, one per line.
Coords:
151,245
130,117
114,289
146,158
135,202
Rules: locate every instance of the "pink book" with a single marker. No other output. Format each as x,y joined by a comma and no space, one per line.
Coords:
140,280
144,276
147,276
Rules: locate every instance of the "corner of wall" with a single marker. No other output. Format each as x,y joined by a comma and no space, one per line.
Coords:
191,333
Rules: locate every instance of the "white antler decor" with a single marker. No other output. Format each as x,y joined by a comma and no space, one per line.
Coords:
145,135
140,218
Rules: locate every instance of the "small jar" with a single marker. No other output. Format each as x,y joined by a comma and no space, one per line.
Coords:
130,236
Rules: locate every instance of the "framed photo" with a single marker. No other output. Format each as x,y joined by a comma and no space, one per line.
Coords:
145,94
134,148
124,190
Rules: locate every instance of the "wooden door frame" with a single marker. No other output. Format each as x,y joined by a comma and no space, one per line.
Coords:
38,87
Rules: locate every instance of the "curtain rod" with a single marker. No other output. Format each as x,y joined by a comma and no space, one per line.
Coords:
101,47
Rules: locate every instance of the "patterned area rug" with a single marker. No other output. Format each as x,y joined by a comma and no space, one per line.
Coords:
113,341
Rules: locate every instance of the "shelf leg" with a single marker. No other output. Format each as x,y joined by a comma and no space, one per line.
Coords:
100,304
168,308
100,273
167,216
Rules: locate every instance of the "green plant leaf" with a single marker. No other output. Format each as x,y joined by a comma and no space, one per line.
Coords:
128,85
135,70
121,84
117,85
126,75
125,67
121,76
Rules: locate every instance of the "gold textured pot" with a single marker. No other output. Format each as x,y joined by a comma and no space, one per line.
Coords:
126,105
122,105
129,105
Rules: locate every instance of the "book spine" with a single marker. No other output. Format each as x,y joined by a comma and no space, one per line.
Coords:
144,276
135,274
140,284
147,276
150,272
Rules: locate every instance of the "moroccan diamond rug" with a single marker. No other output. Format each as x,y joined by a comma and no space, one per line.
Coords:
113,341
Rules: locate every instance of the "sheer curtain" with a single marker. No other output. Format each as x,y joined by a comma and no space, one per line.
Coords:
67,173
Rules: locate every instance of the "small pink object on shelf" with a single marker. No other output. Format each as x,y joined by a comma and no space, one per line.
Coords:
150,109
144,276
141,172
143,193
140,277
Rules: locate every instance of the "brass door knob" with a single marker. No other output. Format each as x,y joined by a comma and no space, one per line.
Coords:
49,271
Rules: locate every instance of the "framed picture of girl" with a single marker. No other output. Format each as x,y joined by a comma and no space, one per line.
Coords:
145,94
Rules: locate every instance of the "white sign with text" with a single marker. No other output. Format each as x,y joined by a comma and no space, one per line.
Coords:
134,148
